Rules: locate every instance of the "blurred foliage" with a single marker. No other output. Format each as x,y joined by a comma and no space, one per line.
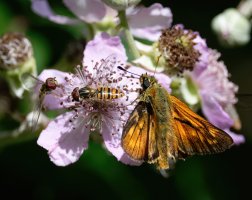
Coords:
26,171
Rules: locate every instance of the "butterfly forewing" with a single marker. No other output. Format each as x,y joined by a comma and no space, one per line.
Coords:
134,139
138,138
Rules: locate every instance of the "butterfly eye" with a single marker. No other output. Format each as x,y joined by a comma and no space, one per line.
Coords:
146,83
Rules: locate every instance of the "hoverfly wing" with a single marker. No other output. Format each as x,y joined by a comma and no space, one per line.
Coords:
36,113
41,88
194,134
29,81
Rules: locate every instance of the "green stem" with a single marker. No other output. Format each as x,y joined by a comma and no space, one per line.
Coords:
133,53
90,32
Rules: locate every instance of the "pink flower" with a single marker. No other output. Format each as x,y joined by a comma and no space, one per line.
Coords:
216,92
207,81
181,49
66,137
145,23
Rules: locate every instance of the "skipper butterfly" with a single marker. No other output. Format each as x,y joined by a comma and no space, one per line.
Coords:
162,129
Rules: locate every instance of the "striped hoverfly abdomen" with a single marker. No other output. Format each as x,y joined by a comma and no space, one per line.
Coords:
102,93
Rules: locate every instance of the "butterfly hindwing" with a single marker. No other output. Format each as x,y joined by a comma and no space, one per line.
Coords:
195,135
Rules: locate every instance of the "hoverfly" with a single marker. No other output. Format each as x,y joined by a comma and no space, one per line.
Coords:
47,86
162,129
100,93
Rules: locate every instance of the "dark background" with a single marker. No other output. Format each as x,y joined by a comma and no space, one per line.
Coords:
25,169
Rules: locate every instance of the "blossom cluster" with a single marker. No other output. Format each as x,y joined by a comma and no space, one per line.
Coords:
180,58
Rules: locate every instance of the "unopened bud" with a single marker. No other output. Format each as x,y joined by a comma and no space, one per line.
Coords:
232,28
15,49
16,58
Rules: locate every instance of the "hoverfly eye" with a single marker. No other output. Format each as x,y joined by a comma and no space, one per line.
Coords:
75,94
51,83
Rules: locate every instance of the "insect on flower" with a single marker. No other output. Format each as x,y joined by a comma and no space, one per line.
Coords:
102,88
162,129
47,86
102,93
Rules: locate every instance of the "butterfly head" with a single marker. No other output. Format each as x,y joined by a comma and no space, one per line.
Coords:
147,81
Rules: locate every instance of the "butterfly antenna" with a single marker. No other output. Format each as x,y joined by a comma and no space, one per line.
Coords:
157,64
121,68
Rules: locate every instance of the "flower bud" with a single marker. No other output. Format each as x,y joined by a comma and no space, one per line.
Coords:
121,4
15,49
232,28
16,58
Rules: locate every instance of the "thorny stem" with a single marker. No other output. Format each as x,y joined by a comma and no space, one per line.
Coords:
128,38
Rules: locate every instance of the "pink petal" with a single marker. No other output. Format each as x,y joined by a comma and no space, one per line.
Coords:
42,8
87,10
214,112
101,47
113,144
64,144
201,46
53,100
147,23
238,139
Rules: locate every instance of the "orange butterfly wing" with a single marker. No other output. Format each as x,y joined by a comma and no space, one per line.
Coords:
139,137
195,135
